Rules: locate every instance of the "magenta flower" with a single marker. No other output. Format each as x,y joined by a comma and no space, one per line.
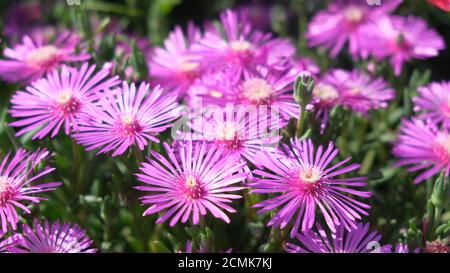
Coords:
343,241
17,184
58,99
403,38
242,49
33,58
404,248
127,117
304,181
262,89
176,67
200,180
352,89
53,238
7,243
345,21
434,103
423,147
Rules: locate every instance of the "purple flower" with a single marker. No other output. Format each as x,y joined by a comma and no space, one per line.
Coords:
7,243
345,21
126,117
17,184
434,103
303,182
343,241
53,238
352,89
57,100
242,49
175,66
200,180
33,58
403,38
423,147
404,248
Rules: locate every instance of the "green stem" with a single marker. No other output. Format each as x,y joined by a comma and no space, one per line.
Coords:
301,122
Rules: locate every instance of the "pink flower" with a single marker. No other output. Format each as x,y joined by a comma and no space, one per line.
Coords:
192,182
434,103
127,117
33,58
423,147
17,184
58,99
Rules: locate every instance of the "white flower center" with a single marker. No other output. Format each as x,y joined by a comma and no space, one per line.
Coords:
188,63
64,96
326,92
257,90
191,182
353,14
310,174
5,183
226,131
240,46
42,55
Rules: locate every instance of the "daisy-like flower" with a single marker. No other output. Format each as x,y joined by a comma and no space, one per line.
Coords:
242,49
423,147
358,240
305,181
434,103
33,58
403,38
17,184
125,117
53,238
241,131
200,180
7,243
345,21
175,67
261,89
49,103
352,89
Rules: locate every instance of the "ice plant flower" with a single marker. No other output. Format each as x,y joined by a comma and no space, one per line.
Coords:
303,181
263,89
433,103
352,89
242,49
423,146
57,100
18,184
33,58
404,38
345,21
126,117
53,238
175,67
192,182
358,240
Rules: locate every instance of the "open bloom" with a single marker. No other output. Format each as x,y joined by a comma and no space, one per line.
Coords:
303,182
404,38
242,49
6,243
199,180
345,21
352,89
265,90
434,103
53,238
423,147
31,59
125,117
49,103
17,184
358,240
175,67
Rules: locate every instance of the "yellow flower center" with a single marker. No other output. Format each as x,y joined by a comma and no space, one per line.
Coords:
191,182
64,96
353,14
257,90
188,63
240,46
326,92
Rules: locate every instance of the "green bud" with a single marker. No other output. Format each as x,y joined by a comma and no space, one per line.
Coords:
438,197
303,88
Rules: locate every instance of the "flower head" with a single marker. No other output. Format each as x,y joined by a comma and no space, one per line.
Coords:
345,21
403,38
434,103
423,147
176,67
17,184
242,49
343,241
33,58
57,100
53,238
200,180
304,181
125,117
